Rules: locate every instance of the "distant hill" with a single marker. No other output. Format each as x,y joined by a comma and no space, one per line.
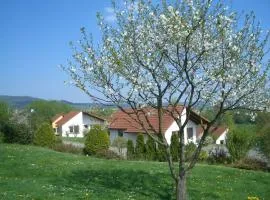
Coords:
20,102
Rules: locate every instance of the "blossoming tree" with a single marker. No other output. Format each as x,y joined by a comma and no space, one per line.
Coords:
195,53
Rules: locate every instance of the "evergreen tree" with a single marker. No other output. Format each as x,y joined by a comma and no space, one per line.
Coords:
150,149
140,147
130,150
175,147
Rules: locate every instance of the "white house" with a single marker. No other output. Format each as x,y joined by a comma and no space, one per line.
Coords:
218,133
75,123
124,125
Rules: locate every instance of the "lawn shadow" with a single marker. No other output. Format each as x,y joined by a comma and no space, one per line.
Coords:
138,182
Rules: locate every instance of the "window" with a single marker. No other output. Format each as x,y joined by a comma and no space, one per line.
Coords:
189,133
120,133
221,141
175,132
71,129
76,129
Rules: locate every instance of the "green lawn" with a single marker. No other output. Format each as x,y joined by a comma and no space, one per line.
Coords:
28,172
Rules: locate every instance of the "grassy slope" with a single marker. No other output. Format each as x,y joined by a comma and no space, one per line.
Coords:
34,173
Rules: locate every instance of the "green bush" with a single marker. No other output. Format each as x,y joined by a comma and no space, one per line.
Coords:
1,137
208,140
67,148
238,143
263,140
218,155
120,143
150,149
16,133
189,150
161,153
251,164
175,144
96,140
130,150
203,156
107,154
45,136
140,147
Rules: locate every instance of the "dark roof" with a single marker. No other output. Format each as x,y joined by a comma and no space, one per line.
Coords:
126,122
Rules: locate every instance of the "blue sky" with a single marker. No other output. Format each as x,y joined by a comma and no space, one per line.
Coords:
34,40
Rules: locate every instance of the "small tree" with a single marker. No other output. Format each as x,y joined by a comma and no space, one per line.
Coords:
96,140
175,147
130,150
140,147
150,149
208,140
120,143
155,57
44,136
238,144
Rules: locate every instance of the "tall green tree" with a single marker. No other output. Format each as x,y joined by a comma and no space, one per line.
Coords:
140,147
150,149
175,147
130,150
42,111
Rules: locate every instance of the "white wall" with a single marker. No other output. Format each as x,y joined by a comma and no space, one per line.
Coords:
174,127
222,137
128,136
80,119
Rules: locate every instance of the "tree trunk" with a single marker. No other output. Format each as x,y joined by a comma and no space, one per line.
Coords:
181,190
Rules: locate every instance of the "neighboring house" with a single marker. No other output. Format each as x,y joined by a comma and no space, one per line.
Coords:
75,123
218,134
124,125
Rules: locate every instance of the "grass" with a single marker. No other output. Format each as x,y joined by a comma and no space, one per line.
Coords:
28,172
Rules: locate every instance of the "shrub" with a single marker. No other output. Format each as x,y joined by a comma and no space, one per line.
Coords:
16,133
150,149
175,147
96,140
107,154
1,137
130,150
218,155
189,150
45,136
161,153
251,164
140,147
120,143
238,144
67,148
264,140
208,140
203,156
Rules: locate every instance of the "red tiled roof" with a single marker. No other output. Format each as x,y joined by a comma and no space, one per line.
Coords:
56,117
214,131
127,122
67,117
70,115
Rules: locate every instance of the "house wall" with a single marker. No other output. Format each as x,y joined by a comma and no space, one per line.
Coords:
222,137
174,127
128,136
80,119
